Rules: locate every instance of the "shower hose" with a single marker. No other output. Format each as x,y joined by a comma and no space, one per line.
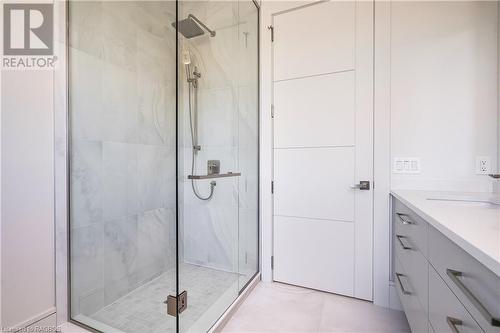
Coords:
195,144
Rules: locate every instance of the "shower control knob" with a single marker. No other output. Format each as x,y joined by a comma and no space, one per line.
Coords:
196,73
213,167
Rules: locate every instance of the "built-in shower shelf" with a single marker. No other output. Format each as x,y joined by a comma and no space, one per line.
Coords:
218,175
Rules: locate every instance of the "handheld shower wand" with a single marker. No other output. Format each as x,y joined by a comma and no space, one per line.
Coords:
192,80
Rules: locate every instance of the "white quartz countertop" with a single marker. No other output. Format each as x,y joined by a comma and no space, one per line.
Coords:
467,219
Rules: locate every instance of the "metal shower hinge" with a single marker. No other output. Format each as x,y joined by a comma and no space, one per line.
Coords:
176,305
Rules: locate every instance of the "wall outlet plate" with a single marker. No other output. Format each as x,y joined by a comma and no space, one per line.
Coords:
406,165
483,165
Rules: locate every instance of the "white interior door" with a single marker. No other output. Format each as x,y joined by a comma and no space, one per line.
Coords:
323,144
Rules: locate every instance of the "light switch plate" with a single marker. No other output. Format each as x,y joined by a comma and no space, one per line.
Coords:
406,165
483,165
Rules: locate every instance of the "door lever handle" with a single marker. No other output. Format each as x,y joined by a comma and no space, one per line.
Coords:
363,185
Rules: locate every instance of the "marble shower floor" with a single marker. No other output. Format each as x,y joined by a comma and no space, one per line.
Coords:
143,310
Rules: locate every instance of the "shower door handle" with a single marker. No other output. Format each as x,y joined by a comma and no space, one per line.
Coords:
363,185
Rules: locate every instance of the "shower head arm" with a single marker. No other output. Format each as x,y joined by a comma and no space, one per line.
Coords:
212,32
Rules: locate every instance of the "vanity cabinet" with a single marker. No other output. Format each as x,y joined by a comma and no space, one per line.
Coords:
411,266
446,313
411,249
442,287
476,287
415,313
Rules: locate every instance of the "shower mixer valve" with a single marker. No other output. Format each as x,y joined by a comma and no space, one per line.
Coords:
213,167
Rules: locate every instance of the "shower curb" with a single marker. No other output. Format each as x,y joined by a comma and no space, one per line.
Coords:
226,316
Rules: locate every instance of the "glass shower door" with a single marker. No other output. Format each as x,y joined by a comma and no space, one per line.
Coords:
208,133
248,152
122,92
218,150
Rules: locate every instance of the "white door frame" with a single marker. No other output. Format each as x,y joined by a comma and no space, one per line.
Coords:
382,166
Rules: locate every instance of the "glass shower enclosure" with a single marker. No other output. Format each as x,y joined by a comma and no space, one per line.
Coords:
163,136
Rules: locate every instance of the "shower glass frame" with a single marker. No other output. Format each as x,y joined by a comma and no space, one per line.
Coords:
178,222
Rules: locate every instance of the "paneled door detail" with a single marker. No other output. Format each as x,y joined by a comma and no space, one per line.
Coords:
323,147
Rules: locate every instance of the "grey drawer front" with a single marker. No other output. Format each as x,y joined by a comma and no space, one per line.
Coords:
416,267
476,282
445,310
411,226
417,317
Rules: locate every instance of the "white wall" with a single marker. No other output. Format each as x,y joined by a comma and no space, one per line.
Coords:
27,217
497,170
30,161
384,293
444,92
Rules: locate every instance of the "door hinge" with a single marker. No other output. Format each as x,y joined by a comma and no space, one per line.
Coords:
272,111
272,186
272,32
272,262
176,305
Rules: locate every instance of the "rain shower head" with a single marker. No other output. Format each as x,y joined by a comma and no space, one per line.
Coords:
190,27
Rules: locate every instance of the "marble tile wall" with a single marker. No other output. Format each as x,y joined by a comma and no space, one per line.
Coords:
222,233
210,227
122,128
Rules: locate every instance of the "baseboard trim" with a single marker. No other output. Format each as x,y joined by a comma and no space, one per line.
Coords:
23,325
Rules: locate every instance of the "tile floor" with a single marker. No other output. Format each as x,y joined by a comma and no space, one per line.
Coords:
276,307
143,310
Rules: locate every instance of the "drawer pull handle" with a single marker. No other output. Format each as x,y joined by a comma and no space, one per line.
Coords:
405,219
454,277
453,323
400,239
405,292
